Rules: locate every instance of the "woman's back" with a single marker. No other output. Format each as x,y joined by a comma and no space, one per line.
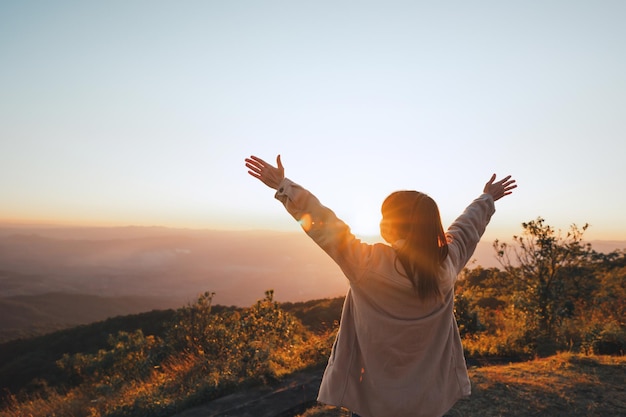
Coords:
398,352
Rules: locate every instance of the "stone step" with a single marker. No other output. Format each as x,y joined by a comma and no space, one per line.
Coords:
283,399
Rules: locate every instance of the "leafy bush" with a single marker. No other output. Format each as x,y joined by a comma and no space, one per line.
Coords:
604,339
203,355
555,293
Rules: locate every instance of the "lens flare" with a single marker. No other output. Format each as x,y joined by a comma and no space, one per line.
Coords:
306,221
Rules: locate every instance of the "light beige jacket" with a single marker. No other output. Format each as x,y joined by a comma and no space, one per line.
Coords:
394,356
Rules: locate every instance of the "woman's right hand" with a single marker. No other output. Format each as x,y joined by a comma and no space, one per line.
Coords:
500,188
266,173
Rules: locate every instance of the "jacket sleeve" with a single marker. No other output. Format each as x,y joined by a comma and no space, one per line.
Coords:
465,232
323,226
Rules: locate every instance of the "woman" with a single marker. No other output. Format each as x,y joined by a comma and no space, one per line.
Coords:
398,352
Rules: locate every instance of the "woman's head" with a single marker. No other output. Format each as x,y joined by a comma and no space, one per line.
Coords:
413,218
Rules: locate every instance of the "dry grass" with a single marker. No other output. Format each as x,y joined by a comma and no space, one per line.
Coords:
559,386
325,411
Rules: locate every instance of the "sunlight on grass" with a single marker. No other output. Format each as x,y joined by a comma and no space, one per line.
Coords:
550,375
325,411
562,385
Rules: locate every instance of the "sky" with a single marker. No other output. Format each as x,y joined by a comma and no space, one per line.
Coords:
141,112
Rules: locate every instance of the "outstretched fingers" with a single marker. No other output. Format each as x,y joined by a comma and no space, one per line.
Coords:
508,184
500,188
255,166
267,173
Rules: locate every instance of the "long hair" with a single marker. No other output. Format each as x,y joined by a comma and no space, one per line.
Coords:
414,217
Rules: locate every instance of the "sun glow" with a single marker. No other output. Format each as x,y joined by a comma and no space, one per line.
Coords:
365,223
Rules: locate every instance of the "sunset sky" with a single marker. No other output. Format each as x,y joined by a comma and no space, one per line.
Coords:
142,112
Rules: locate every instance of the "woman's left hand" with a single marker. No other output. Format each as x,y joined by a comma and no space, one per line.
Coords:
266,173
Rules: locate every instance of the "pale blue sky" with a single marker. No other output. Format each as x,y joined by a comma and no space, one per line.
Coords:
141,112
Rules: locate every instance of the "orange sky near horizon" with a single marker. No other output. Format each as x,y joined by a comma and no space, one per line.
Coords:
141,113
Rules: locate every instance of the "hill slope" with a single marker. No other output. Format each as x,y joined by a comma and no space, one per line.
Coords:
24,361
32,315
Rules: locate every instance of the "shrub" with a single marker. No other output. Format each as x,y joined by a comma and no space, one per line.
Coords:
203,355
604,339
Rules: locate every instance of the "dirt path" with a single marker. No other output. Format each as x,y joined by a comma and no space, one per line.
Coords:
284,399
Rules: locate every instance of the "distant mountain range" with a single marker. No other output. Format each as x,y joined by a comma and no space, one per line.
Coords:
52,278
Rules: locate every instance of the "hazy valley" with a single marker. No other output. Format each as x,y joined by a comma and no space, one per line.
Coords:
52,278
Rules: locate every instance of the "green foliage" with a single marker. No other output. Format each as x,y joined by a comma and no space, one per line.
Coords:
542,272
466,317
203,352
478,298
602,338
256,341
554,293
131,357
26,360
